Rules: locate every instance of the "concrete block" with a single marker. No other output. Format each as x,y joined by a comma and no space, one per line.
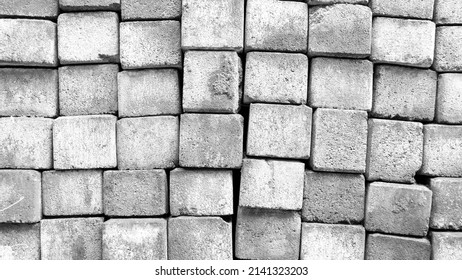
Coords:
282,131
404,93
149,93
29,8
333,197
403,41
449,99
212,82
341,84
448,12
394,150
147,9
448,53
89,5
90,37
20,241
332,242
200,192
28,42
339,141
446,203
28,92
398,208
211,141
135,239
389,247
88,89
135,193
446,245
71,239
328,2
421,9
276,78
147,143
264,234
199,238
72,193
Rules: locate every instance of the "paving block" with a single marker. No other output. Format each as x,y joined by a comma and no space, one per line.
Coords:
149,93
147,143
20,241
148,9
446,203
90,5
199,238
341,83
398,208
403,41
29,8
212,82
276,78
28,42
448,53
211,140
90,37
282,131
404,93
421,9
72,192
339,141
264,234
28,92
88,89
328,2
135,193
449,99
446,245
448,12
394,150
135,239
71,239
389,247
333,197
201,192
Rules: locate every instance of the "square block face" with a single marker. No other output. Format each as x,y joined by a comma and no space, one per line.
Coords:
28,92
211,141
389,247
341,84
422,9
446,203
339,141
88,89
394,151
91,37
398,208
84,142
71,239
20,241
29,8
263,234
449,99
199,192
135,239
67,193
276,78
333,197
340,31
282,131
332,242
325,2
404,93
147,143
448,53
446,245
403,41
135,193
148,9
150,44
199,238
448,12
90,5
26,143
149,93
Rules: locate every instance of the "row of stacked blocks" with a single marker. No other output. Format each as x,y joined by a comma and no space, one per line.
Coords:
138,163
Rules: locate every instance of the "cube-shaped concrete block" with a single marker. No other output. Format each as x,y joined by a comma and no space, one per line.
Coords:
446,203
199,238
135,239
71,239
84,142
29,8
390,247
20,241
446,245
339,141
398,208
201,192
148,9
333,197
88,89
341,84
327,2
448,53
394,150
403,41
448,12
28,92
149,93
147,143
135,193
282,131
264,234
212,82
91,37
72,193
422,9
150,44
449,99
211,141
89,5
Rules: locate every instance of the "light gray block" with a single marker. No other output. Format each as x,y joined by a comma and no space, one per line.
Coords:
421,9
89,5
446,203
390,247
449,99
148,9
20,241
448,12
29,8
448,53
446,245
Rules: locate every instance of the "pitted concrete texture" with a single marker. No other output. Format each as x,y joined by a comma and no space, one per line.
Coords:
89,5
390,247
448,12
327,2
446,203
446,245
448,53
449,99
148,9
421,9
29,8
20,241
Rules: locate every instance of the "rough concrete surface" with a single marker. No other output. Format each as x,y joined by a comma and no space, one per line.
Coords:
390,247
449,99
446,203
20,241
